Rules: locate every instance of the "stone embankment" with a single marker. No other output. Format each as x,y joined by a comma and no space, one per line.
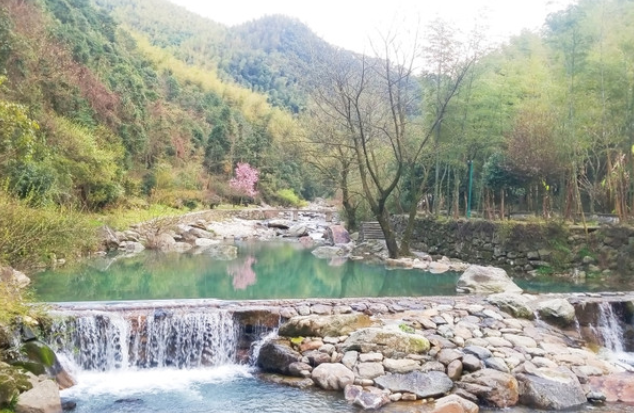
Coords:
524,247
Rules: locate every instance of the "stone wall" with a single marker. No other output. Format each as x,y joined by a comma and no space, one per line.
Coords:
522,247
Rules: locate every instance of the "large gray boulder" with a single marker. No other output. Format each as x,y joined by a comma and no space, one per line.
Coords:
324,326
430,384
297,231
329,252
332,376
486,280
276,356
337,234
42,398
492,387
558,311
550,389
384,341
517,305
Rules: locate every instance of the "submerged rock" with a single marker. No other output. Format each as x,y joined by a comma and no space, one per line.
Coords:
486,280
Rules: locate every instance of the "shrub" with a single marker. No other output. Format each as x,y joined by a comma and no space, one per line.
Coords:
287,197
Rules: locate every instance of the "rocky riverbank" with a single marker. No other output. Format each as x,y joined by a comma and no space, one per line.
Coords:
458,353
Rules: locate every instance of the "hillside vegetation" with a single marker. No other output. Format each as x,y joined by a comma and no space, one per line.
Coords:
116,104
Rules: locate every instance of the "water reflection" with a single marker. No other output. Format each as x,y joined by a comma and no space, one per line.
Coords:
242,273
263,270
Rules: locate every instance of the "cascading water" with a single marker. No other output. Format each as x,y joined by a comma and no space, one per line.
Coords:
105,341
610,328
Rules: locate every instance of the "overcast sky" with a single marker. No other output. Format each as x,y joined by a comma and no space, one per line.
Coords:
349,23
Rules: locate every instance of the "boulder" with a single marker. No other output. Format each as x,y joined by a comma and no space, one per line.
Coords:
337,234
163,242
332,376
279,223
516,305
400,365
369,371
385,341
297,231
368,398
131,247
467,406
329,252
558,311
42,398
323,326
14,277
486,280
492,387
424,385
550,389
276,356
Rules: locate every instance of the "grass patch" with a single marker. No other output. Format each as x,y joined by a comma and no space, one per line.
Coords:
31,237
545,271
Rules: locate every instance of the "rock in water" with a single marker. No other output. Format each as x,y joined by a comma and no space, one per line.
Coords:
42,398
332,376
492,387
430,384
297,231
276,356
486,280
329,252
337,234
550,389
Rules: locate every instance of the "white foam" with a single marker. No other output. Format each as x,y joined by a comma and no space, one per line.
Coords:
123,383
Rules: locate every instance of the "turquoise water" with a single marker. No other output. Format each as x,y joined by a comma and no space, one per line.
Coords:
263,270
226,389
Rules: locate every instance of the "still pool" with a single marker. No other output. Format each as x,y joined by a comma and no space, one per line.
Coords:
262,271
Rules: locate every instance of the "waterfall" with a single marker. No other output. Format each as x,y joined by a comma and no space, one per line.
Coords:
610,328
104,341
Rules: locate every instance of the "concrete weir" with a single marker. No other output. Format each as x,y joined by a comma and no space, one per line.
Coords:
258,317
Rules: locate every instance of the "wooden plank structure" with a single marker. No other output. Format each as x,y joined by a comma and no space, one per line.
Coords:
370,230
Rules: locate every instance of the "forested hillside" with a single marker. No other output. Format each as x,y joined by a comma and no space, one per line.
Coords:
98,115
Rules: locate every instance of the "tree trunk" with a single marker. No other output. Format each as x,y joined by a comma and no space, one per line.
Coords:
502,212
388,232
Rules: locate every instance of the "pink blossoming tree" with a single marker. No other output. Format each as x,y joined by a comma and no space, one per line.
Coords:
245,179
